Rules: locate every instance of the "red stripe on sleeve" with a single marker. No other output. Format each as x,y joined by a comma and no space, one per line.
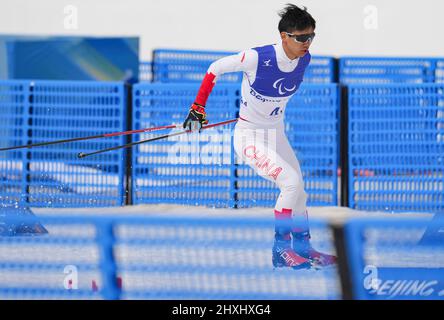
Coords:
205,88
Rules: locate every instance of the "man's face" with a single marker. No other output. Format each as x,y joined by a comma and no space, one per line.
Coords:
297,48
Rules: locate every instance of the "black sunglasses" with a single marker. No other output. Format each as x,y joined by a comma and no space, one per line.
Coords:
302,38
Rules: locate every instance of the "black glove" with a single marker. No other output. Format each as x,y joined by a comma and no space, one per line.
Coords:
196,115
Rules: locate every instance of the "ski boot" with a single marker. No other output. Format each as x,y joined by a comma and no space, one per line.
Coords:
282,254
302,246
285,256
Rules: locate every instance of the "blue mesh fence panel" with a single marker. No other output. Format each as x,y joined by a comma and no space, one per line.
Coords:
14,109
190,66
158,258
312,130
162,174
188,169
320,70
396,147
439,71
367,70
187,66
145,71
389,260
53,175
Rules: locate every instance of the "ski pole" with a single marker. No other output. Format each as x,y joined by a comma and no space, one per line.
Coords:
83,155
105,135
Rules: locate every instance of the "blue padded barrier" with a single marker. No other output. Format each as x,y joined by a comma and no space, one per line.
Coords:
170,170
53,175
312,129
388,260
159,257
396,147
375,70
190,66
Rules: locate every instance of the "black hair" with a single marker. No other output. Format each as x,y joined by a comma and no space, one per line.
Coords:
294,18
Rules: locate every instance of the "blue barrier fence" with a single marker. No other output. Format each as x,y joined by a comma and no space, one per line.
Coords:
392,258
312,129
41,111
173,65
170,65
395,144
371,70
190,169
322,69
158,258
439,71
146,71
204,257
166,171
396,147
14,106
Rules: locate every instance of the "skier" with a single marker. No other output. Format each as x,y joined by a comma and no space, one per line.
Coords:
272,75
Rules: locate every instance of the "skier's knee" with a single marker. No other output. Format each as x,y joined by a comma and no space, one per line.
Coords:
293,185
296,192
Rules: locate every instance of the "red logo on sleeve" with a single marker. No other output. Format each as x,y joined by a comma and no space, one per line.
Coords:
243,58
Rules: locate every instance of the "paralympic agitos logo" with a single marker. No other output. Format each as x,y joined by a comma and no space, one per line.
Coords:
282,89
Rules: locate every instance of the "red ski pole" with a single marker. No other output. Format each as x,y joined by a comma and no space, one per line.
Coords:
83,155
105,135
